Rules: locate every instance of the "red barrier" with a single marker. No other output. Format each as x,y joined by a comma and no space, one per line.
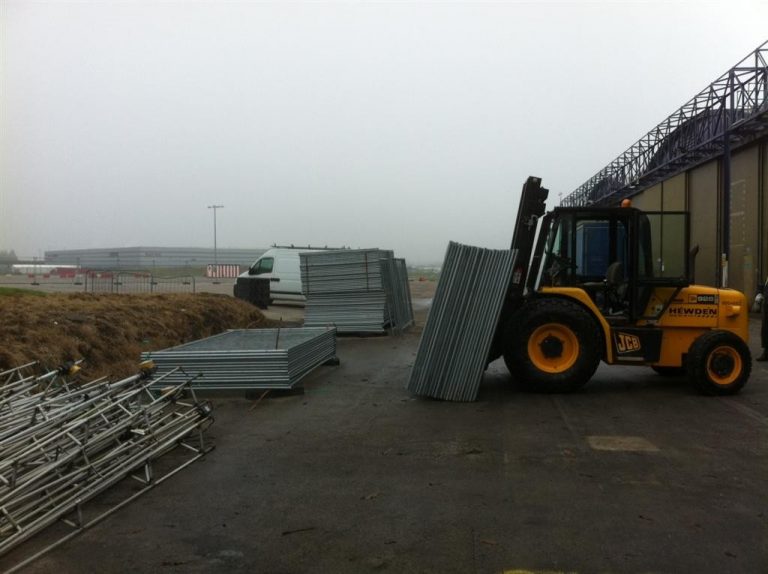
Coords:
222,271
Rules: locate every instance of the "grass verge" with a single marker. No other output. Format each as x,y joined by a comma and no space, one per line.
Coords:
16,292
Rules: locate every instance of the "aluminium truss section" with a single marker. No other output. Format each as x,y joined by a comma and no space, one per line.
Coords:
85,444
28,400
455,344
246,359
731,111
15,374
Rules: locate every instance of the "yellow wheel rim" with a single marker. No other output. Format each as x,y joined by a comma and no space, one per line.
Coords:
724,365
553,348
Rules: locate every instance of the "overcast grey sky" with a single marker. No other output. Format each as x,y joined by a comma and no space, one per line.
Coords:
393,125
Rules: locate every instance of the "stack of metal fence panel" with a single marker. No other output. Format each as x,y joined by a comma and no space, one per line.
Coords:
64,441
357,291
450,361
395,280
245,359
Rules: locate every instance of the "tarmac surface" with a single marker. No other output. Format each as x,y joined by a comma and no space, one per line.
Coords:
636,473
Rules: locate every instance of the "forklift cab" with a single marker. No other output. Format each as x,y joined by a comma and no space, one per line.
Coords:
619,256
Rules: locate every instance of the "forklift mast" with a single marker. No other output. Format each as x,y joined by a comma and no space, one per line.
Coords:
532,207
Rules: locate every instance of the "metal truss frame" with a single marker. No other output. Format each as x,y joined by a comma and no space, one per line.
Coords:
63,444
730,112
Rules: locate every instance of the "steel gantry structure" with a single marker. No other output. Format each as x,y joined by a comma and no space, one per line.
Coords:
730,112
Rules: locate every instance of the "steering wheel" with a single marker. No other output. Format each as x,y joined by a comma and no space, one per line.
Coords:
559,264
563,262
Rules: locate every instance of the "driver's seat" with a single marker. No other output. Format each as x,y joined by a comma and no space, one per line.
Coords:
615,288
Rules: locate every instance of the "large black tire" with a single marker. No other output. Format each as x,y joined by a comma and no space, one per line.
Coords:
670,371
719,363
553,346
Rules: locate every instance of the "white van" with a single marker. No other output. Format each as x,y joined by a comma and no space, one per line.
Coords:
282,266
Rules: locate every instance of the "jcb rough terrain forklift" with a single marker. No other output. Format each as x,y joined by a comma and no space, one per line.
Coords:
614,284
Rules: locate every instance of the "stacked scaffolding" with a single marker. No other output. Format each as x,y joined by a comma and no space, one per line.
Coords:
357,291
63,441
450,361
247,359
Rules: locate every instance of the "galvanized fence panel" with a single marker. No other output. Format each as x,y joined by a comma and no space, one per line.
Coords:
457,336
357,291
134,283
247,359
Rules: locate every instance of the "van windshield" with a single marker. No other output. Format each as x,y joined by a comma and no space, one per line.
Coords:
263,265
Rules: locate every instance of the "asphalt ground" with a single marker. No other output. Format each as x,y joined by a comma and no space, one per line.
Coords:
635,473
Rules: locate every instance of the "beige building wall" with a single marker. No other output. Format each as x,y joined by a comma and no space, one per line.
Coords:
743,268
703,184
763,224
673,192
649,199
673,199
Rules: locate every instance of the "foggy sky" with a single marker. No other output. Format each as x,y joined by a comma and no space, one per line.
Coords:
398,126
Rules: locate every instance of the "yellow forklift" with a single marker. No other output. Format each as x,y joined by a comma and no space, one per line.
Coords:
614,284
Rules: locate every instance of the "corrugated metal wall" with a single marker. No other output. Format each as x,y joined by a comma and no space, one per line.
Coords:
699,191
763,197
744,265
673,193
649,200
703,205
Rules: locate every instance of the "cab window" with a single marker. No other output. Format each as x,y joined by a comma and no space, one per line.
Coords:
599,242
556,270
263,265
667,258
581,248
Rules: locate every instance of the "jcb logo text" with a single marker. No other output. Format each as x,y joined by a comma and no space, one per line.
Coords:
626,343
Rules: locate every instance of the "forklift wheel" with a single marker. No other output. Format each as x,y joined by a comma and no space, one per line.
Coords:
719,363
553,346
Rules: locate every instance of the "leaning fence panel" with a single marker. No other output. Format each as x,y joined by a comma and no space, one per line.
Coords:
450,362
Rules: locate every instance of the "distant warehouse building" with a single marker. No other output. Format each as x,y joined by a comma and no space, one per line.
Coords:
116,258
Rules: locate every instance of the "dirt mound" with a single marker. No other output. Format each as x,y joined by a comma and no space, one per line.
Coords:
110,331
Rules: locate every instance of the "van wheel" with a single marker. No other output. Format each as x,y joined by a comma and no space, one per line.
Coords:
553,346
719,363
